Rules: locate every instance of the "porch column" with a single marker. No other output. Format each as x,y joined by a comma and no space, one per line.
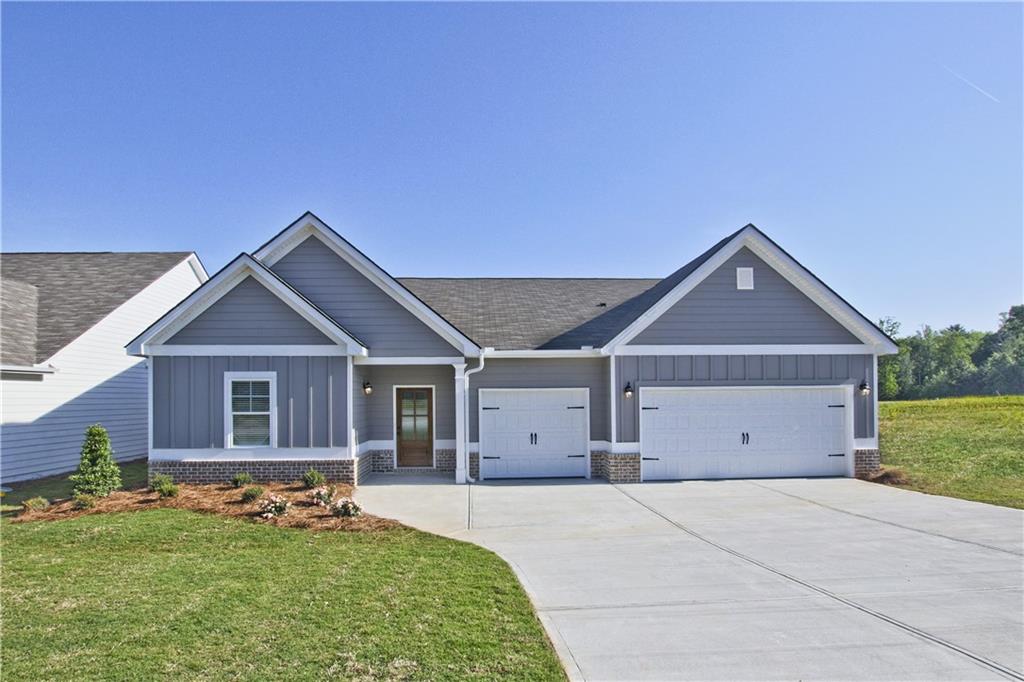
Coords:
461,461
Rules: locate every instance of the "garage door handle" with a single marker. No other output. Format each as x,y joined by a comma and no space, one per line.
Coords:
491,408
492,457
648,408
572,456
651,459
841,454
576,407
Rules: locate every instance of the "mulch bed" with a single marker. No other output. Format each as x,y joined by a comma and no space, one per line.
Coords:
225,500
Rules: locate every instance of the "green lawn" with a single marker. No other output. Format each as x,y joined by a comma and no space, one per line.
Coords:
172,594
133,475
971,448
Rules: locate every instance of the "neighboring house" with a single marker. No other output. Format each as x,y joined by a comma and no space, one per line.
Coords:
306,353
64,320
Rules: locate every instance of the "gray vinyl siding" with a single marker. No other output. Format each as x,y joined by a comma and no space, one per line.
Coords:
250,314
716,312
359,401
379,408
741,370
589,373
358,304
188,399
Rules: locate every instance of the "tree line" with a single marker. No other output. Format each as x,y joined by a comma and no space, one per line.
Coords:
954,361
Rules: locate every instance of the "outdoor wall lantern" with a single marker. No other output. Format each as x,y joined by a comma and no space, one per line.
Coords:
367,388
864,388
629,390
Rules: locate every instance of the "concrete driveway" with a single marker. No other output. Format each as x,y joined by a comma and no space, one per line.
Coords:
770,579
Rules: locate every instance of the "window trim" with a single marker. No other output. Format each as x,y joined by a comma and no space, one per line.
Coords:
229,378
744,279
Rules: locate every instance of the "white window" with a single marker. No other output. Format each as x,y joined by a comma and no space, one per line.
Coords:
250,410
744,278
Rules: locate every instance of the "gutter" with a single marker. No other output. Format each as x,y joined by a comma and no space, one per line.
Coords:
465,377
28,369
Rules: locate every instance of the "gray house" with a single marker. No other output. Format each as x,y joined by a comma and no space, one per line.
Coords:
306,353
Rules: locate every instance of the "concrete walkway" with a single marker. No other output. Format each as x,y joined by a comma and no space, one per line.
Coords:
771,579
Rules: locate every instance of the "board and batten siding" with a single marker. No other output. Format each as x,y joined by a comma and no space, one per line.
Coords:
188,399
387,328
741,370
96,382
589,373
716,312
249,314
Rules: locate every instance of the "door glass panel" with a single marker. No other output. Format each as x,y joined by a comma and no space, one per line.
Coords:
409,428
421,428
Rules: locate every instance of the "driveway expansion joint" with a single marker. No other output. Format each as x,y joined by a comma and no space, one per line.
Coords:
888,523
978,659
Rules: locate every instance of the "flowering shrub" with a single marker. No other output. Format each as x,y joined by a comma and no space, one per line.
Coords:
322,496
274,505
346,507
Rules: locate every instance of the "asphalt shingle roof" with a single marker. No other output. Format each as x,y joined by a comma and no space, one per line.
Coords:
544,313
73,291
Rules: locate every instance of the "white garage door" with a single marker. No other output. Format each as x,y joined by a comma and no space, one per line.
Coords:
745,432
530,433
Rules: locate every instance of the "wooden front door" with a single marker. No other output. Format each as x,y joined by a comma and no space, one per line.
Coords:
414,426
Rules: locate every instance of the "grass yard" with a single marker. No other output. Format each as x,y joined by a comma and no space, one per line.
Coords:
133,475
972,448
171,594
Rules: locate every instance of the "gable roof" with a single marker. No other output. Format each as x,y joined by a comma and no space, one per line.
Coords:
688,277
228,277
71,292
309,224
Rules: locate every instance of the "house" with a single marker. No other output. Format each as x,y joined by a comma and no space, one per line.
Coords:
64,320
307,353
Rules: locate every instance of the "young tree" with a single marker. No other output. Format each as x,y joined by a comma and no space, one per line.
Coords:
889,365
98,473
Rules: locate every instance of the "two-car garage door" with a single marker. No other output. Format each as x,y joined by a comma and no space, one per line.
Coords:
688,433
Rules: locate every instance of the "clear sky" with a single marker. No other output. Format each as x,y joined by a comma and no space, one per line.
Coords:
880,144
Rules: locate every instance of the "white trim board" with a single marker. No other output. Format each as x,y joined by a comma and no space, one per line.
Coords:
243,267
752,238
310,225
385,360
246,454
278,350
747,349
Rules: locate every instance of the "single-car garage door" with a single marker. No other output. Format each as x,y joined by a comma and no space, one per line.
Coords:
532,433
745,432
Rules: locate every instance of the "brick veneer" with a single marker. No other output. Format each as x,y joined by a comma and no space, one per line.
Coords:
616,468
364,467
383,460
196,471
444,460
866,462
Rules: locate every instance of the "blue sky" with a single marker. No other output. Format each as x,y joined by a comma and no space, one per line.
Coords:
880,144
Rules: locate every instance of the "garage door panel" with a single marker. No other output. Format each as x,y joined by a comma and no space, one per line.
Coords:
533,433
698,433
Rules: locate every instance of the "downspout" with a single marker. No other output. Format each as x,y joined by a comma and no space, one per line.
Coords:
465,378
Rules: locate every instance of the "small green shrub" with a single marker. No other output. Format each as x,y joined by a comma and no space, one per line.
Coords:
35,504
252,494
163,485
98,473
313,479
85,501
241,479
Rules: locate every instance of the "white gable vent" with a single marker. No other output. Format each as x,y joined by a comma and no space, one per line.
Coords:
744,278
